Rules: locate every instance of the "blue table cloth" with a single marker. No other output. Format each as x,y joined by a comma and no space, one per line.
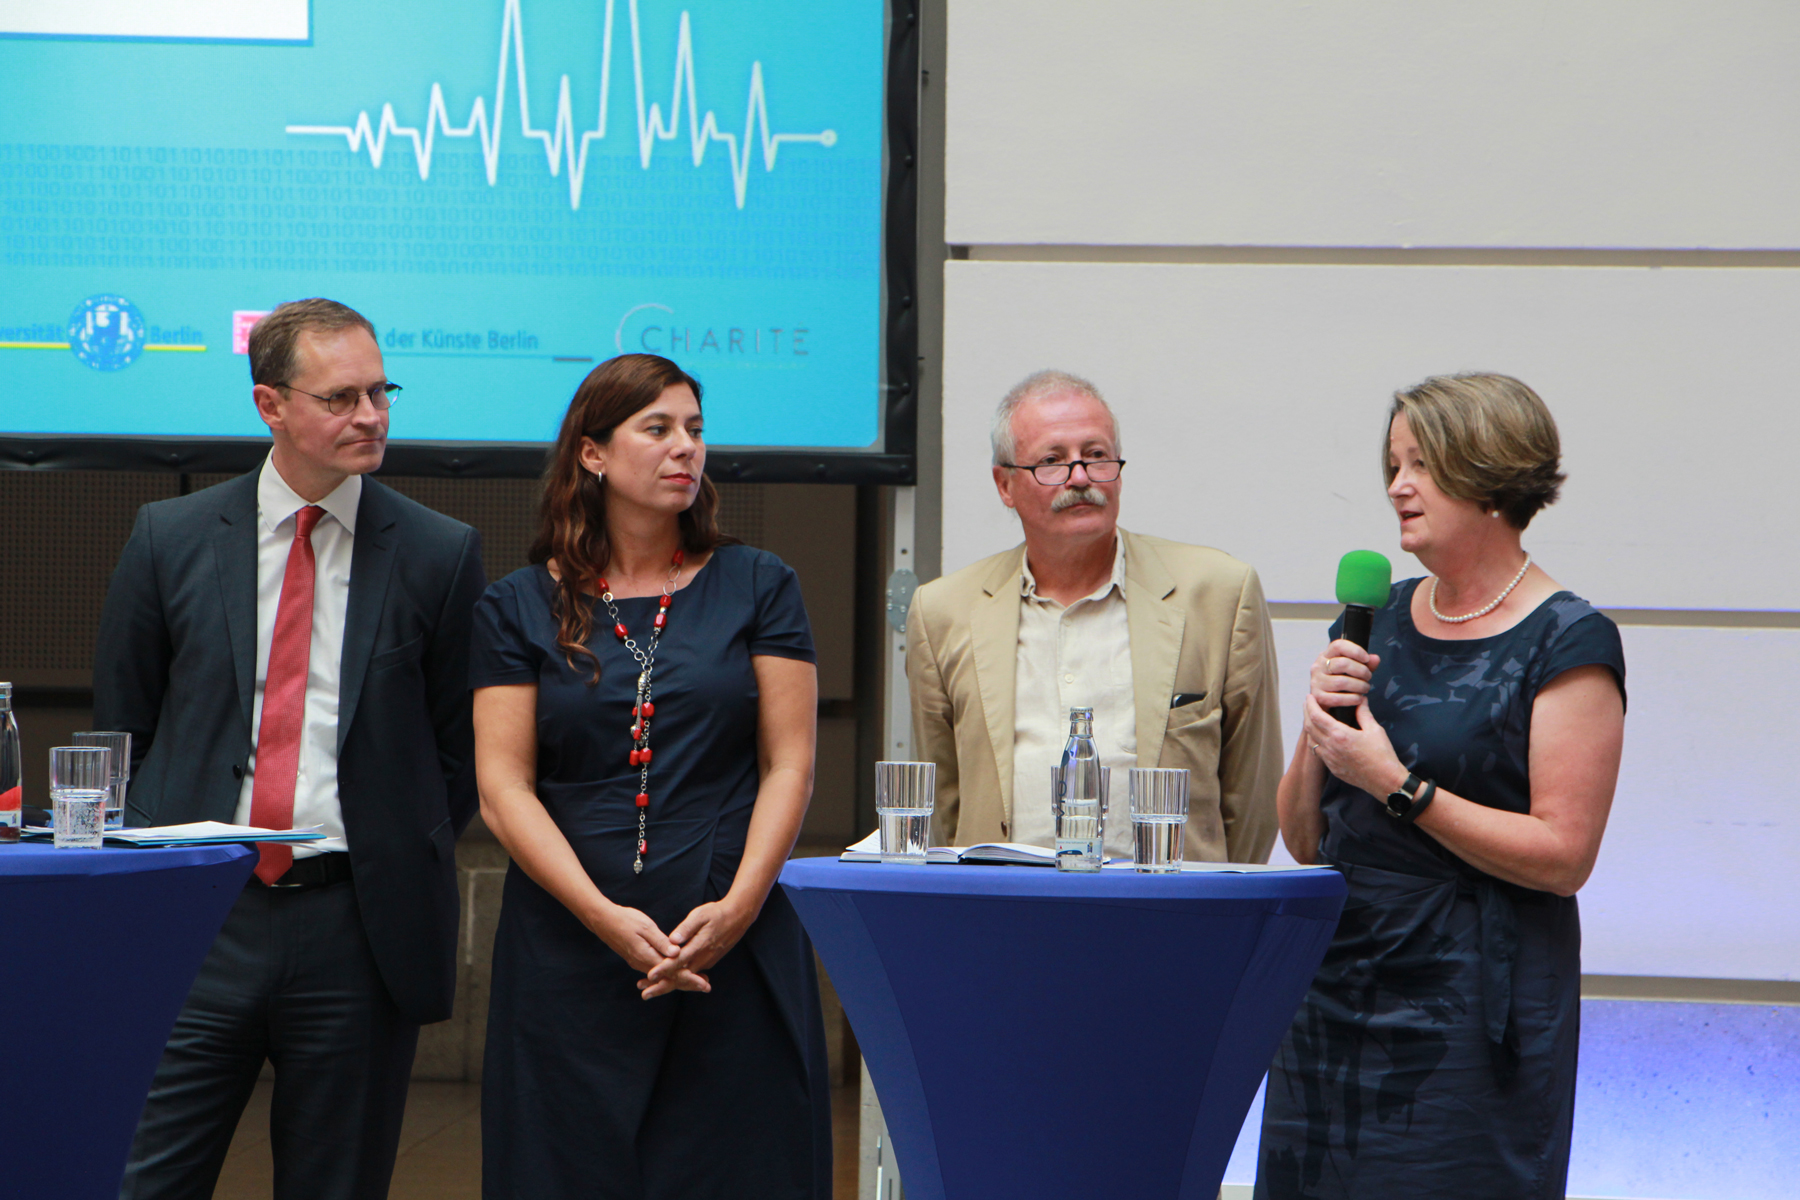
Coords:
98,949
1044,1034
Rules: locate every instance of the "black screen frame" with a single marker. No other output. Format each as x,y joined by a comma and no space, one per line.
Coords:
894,464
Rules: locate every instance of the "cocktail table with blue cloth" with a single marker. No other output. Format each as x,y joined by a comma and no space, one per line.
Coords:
97,951
1046,1034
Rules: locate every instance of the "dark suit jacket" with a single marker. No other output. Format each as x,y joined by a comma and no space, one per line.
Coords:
176,667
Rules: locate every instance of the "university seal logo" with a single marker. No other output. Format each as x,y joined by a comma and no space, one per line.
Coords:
107,332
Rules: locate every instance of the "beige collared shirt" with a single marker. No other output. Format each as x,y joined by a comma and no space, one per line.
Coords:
1073,657
333,538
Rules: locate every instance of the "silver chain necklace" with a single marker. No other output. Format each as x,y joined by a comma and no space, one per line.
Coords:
643,708
1480,612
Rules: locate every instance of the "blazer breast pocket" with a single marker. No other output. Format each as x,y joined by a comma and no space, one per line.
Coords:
1198,709
403,653
1192,736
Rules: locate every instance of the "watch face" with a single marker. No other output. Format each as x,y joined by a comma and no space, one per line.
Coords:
1400,802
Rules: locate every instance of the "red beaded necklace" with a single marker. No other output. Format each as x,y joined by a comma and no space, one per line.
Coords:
642,710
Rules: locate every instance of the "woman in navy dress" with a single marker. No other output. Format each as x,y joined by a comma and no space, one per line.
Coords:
1435,1054
645,711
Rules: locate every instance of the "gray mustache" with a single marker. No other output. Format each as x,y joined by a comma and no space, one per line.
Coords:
1070,497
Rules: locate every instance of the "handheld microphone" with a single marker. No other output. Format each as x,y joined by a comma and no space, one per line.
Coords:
1363,580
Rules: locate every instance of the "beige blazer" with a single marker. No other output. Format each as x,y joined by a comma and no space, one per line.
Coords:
1199,627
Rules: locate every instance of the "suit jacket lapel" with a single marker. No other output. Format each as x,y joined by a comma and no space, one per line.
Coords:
234,555
994,633
371,565
1156,628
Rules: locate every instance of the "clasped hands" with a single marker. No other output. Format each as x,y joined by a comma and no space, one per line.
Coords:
1361,754
677,961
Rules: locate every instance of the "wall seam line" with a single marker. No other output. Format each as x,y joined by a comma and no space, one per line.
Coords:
1379,256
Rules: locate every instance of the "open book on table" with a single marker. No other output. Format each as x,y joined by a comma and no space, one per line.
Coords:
1016,854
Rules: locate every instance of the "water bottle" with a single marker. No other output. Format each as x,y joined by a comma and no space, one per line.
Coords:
12,779
1078,804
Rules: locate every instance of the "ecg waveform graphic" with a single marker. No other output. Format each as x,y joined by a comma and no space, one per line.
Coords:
562,147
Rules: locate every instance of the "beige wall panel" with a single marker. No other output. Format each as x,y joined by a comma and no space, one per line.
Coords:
1592,123
1252,401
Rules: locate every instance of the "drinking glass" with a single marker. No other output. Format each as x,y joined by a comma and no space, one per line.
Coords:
905,794
80,780
120,745
1159,805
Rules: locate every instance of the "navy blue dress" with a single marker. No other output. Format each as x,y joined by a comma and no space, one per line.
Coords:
1435,1054
589,1090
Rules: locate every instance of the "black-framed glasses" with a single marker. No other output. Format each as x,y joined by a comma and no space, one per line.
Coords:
1056,474
344,400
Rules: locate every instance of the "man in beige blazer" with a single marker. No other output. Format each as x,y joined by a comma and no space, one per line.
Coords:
1169,643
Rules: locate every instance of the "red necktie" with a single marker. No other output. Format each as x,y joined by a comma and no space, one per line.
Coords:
284,700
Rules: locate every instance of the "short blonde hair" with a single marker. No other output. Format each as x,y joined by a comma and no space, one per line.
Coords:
1485,438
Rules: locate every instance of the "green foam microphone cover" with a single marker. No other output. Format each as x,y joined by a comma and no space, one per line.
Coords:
1364,578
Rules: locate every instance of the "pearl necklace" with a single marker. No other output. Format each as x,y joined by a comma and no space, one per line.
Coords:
1480,612
643,709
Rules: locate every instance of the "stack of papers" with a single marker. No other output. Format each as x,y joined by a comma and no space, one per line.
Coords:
199,833
206,833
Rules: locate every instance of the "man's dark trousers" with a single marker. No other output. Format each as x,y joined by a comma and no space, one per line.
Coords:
291,980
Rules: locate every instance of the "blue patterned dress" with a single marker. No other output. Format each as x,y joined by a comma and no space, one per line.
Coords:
1435,1054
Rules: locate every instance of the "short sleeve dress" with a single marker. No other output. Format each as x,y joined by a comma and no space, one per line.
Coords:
1435,1053
589,1090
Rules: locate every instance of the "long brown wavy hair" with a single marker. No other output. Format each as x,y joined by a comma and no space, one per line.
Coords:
572,514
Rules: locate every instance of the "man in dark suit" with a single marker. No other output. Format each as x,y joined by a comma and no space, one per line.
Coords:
291,649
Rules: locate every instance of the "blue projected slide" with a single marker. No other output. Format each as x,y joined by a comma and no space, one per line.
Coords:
511,190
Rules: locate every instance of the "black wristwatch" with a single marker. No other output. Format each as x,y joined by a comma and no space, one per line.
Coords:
1406,804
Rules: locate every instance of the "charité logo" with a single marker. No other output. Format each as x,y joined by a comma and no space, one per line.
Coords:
656,329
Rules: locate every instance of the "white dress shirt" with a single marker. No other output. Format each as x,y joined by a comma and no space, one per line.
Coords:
1074,657
316,782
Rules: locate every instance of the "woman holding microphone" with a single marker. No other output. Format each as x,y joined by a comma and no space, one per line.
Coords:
645,706
1435,1053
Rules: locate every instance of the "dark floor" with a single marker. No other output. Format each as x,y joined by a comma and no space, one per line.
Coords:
440,1146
